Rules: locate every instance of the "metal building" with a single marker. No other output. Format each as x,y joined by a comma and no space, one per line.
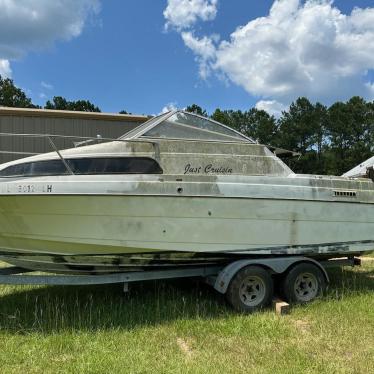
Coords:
56,122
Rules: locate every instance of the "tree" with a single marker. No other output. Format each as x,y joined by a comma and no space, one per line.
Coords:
256,124
350,128
60,103
235,119
223,116
302,129
12,96
124,112
370,119
194,108
261,126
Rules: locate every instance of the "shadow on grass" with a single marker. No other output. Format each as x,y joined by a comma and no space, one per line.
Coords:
349,281
90,308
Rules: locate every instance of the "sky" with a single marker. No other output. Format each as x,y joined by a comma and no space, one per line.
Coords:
147,56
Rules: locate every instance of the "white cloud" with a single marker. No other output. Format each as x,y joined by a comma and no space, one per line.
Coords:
273,107
47,86
204,50
299,49
33,25
182,14
169,107
5,70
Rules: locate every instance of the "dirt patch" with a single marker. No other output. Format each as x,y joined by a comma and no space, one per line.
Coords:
303,326
185,347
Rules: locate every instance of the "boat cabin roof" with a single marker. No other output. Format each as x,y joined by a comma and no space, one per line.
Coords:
179,124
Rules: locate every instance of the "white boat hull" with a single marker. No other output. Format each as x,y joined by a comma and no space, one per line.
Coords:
53,228
134,224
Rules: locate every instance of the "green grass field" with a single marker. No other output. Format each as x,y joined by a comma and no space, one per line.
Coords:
185,327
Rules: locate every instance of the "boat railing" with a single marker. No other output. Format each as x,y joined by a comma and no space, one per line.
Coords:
83,140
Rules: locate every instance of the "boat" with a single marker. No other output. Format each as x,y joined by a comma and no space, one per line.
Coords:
363,170
180,190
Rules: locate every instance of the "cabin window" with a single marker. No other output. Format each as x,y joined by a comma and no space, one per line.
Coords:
51,167
97,165
183,125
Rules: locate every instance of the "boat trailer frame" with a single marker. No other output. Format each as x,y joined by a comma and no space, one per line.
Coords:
217,276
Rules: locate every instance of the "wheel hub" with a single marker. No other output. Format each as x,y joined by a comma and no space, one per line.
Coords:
252,291
306,287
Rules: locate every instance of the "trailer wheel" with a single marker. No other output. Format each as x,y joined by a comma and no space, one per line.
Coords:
250,289
303,283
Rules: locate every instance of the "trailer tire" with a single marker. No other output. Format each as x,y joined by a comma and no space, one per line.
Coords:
303,283
251,289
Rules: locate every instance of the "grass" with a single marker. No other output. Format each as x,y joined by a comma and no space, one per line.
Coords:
184,327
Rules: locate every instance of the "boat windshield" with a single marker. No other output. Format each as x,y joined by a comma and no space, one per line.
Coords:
141,128
183,125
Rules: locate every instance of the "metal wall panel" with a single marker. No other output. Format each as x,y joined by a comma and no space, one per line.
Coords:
56,126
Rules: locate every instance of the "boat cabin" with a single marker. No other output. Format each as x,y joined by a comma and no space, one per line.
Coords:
177,143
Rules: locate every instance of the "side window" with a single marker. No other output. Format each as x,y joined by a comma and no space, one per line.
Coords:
51,167
123,165
82,166
136,165
13,170
109,165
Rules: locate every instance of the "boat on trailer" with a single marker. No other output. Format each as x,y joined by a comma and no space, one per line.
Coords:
178,191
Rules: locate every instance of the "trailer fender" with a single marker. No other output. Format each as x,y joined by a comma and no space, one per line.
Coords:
275,265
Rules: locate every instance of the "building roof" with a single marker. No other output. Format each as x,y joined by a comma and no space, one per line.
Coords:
23,112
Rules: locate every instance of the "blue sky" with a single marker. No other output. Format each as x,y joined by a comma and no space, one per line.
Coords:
121,57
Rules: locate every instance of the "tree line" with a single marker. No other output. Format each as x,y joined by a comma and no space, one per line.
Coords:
12,96
331,140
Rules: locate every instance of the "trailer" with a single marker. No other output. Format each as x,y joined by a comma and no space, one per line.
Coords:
248,284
